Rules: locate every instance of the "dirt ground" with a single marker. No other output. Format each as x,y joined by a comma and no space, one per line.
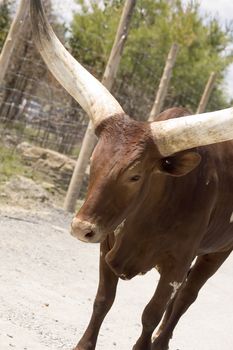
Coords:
48,281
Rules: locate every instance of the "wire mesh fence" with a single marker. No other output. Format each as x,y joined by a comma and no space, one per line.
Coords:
36,109
33,106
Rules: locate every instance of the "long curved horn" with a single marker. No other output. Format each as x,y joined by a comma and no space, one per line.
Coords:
178,134
93,97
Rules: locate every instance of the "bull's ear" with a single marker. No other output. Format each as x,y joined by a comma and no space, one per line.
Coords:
180,164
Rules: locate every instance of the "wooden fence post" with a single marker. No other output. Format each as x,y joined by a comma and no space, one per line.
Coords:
206,94
164,82
89,140
16,29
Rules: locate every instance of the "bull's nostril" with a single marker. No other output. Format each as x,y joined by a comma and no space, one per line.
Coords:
89,234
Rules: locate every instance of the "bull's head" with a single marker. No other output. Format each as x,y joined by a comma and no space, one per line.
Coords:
129,153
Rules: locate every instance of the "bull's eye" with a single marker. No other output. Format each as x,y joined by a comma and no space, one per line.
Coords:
168,164
135,178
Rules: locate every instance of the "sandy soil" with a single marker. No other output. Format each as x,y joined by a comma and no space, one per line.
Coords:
48,282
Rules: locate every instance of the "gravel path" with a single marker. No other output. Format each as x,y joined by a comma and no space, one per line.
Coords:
48,282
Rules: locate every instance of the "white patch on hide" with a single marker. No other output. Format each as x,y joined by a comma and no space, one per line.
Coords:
207,182
231,218
155,335
175,285
117,231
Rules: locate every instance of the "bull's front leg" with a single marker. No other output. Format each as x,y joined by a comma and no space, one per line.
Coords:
104,299
169,283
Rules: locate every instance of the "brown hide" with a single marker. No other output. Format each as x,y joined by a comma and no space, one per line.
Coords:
149,211
160,210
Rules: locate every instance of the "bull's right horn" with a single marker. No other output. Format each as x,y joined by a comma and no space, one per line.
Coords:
93,97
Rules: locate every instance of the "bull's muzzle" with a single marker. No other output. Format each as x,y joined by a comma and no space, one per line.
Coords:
85,231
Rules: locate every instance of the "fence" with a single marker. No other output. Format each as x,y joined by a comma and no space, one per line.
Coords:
36,109
33,105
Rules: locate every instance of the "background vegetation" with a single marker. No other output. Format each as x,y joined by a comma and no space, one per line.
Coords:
4,20
155,26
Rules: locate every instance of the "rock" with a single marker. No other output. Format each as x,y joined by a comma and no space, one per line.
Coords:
49,187
55,167
20,188
30,153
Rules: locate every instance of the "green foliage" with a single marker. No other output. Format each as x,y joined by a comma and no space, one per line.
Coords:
156,24
93,33
10,164
4,21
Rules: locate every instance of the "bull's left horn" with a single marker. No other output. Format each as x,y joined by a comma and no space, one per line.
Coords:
93,97
183,133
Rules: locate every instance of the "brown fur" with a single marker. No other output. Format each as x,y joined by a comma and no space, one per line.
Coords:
178,210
